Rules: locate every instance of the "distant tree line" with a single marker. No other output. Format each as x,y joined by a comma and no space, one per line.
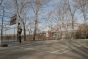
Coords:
82,32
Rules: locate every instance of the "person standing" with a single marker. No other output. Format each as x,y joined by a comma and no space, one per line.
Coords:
19,31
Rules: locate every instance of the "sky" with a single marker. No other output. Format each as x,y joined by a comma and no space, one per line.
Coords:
49,7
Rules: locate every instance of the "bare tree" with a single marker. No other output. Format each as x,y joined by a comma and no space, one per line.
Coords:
72,15
66,16
82,5
36,8
21,13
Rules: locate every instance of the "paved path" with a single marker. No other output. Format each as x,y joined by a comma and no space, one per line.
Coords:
49,49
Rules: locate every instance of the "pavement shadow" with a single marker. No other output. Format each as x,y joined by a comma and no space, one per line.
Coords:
81,51
19,55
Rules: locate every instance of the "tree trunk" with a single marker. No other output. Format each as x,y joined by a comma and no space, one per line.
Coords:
24,33
2,28
35,29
